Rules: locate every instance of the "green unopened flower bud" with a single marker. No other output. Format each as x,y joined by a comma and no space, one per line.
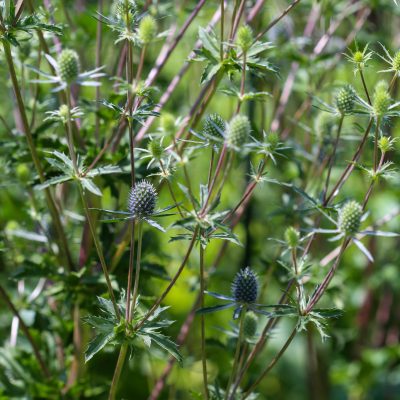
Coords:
250,324
167,123
63,111
69,65
345,100
245,37
350,218
147,29
358,57
214,126
272,140
292,237
155,148
381,102
238,131
382,85
385,144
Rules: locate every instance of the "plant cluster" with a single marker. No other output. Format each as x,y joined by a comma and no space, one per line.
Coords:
253,187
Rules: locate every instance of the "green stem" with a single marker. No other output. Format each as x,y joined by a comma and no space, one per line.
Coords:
221,50
270,365
117,372
203,331
99,252
237,354
36,161
365,86
137,269
332,157
70,138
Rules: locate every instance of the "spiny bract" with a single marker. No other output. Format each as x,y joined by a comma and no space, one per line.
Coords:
350,217
69,65
147,29
238,131
142,199
214,126
245,286
345,100
250,323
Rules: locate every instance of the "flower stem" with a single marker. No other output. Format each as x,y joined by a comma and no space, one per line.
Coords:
137,267
171,284
332,157
237,354
117,372
203,331
63,242
271,364
99,252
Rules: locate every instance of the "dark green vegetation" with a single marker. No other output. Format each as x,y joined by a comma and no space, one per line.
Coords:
199,199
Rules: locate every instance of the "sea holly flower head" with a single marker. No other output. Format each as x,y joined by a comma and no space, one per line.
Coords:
67,68
244,293
142,199
245,38
382,107
345,100
245,286
61,115
393,61
238,132
147,30
359,58
348,226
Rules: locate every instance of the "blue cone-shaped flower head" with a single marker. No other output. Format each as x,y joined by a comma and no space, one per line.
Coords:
142,199
245,286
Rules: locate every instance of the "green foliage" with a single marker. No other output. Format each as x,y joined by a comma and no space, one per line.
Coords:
267,139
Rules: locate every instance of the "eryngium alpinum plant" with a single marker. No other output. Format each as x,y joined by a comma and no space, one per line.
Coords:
199,200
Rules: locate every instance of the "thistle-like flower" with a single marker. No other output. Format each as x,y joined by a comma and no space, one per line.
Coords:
61,115
142,199
350,218
345,100
382,107
67,68
245,286
348,224
343,104
214,127
393,61
147,30
69,65
245,38
238,132
244,295
359,58
292,237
